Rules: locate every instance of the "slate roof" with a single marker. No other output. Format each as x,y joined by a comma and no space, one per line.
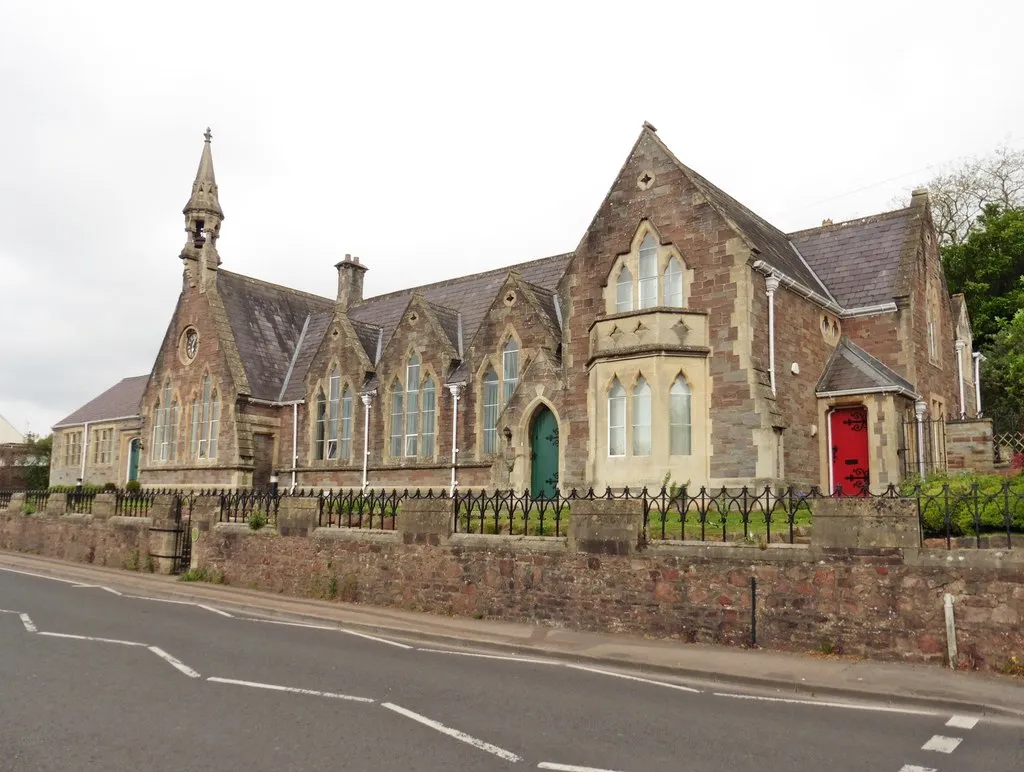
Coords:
295,388
859,260
123,400
773,245
852,369
267,320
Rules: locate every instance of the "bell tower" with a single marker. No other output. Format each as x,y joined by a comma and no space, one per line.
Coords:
203,217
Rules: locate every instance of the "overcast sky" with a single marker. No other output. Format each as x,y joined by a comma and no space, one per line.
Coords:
433,139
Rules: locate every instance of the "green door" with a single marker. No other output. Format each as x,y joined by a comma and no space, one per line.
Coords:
133,460
544,454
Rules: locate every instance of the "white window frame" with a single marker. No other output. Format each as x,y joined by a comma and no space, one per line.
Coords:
616,396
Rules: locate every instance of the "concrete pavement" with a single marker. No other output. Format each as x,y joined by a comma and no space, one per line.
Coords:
799,673
97,678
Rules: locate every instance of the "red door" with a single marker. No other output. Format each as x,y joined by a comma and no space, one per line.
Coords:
849,435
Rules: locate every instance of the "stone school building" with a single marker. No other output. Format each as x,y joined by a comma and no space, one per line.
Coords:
684,338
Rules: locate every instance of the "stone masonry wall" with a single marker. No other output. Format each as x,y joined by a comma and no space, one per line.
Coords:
969,447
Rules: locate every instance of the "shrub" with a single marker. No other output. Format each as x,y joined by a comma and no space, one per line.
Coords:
257,520
28,509
109,487
133,486
970,503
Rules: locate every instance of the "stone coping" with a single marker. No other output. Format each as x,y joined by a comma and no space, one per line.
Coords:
357,534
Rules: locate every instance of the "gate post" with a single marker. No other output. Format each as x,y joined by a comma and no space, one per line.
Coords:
163,533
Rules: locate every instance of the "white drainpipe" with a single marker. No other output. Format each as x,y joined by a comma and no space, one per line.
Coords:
978,359
456,390
85,451
919,408
367,401
960,375
771,284
295,442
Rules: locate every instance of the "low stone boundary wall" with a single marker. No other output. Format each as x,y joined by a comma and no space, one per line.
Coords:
862,586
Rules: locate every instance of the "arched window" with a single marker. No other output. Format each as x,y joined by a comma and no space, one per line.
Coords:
648,272
205,421
624,291
509,370
412,406
321,425
641,418
345,440
679,418
396,419
674,284
490,405
165,426
616,419
429,417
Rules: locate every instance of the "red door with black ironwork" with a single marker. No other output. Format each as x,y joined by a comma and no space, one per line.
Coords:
849,435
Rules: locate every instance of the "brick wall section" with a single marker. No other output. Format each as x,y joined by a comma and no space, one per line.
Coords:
969,446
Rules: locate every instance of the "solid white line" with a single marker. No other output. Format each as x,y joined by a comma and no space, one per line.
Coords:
80,586
25,620
181,603
91,638
214,610
8,611
822,704
942,744
912,768
462,736
115,592
177,663
962,722
292,689
374,638
290,624
39,576
569,767
635,678
490,656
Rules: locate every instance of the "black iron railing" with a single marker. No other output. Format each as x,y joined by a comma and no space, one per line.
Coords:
36,500
512,513
79,502
133,503
236,506
377,509
5,499
974,515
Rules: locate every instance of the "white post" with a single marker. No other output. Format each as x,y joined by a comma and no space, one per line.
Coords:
367,401
919,408
771,284
947,603
960,345
978,359
295,442
85,451
456,390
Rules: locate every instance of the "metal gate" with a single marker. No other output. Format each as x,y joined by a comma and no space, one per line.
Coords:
922,445
181,556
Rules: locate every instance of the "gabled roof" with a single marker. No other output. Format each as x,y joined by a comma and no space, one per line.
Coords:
8,434
123,400
859,260
772,244
267,322
852,370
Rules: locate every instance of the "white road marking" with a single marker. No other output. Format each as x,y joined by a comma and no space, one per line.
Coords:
962,722
823,704
108,589
92,638
569,767
490,656
39,576
182,603
374,638
27,621
462,736
292,689
635,678
912,768
80,586
177,663
290,624
942,744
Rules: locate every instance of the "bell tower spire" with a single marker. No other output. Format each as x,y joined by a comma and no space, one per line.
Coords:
203,217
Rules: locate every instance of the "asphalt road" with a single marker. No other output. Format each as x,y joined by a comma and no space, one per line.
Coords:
129,683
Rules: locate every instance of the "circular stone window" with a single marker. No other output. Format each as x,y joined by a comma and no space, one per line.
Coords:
188,345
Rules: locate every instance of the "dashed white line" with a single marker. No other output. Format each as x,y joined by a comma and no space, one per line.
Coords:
91,638
455,733
527,660
27,621
40,576
823,704
912,768
942,744
176,663
962,722
635,678
569,767
291,689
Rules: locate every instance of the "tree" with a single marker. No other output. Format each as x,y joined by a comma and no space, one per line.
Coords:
988,267
1003,375
37,474
960,195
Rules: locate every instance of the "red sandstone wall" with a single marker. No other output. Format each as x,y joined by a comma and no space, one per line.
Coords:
119,543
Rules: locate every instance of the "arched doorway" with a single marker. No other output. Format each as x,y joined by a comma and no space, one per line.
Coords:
543,453
133,459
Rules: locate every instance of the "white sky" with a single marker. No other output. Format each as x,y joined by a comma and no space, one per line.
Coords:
434,139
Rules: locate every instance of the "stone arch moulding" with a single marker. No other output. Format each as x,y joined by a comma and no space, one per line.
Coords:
521,470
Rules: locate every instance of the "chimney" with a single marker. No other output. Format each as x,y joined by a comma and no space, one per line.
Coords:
826,222
919,197
350,282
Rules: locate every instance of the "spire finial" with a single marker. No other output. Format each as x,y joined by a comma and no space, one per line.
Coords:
208,135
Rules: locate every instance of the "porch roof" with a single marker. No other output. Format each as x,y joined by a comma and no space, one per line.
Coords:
852,370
